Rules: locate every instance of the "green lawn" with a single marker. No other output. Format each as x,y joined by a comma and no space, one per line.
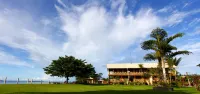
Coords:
87,89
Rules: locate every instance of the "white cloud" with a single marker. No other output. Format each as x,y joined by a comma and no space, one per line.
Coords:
61,3
195,32
186,4
177,17
96,34
6,58
17,31
189,62
46,21
165,9
194,47
194,22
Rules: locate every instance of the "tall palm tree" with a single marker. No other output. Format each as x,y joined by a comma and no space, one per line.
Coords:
160,44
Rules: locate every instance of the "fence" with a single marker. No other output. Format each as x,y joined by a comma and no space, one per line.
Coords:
28,81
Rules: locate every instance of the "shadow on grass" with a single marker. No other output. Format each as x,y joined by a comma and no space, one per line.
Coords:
109,92
96,84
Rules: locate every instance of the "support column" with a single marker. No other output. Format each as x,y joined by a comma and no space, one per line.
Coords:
134,78
108,76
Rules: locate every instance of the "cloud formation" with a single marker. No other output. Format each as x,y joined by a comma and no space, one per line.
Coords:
96,35
6,58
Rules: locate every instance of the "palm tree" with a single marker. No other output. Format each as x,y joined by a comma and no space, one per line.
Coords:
160,44
171,63
176,63
198,65
141,67
97,76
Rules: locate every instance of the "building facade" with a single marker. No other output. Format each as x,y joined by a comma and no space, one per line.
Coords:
133,72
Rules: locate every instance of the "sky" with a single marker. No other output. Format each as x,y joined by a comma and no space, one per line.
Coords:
35,32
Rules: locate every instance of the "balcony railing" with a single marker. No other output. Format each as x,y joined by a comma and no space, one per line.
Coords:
131,73
125,73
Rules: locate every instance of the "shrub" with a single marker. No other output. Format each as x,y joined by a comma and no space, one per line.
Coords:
156,83
164,84
198,88
121,83
132,83
138,83
178,84
174,84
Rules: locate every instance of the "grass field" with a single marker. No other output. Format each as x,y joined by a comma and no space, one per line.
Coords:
87,89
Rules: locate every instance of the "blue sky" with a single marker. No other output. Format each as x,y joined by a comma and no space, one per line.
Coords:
34,32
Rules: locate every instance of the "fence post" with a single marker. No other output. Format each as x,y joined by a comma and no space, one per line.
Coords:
27,81
41,81
31,81
49,82
5,80
18,81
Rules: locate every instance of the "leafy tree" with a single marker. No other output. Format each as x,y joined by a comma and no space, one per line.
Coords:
160,44
198,65
69,66
97,76
63,67
84,71
105,79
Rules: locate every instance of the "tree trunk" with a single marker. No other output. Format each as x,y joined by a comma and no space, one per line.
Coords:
163,69
170,79
175,74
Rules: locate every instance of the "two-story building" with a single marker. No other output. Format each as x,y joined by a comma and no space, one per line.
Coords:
132,71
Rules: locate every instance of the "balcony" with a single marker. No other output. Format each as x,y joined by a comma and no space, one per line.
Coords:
126,74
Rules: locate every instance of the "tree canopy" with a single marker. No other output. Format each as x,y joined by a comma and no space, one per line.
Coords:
161,47
69,66
198,65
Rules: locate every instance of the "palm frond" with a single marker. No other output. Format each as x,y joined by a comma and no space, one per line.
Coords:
140,65
198,65
158,34
149,45
169,39
149,57
179,53
167,47
170,62
177,61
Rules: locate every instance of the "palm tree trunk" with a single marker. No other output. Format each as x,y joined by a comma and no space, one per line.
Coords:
170,79
163,69
175,74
